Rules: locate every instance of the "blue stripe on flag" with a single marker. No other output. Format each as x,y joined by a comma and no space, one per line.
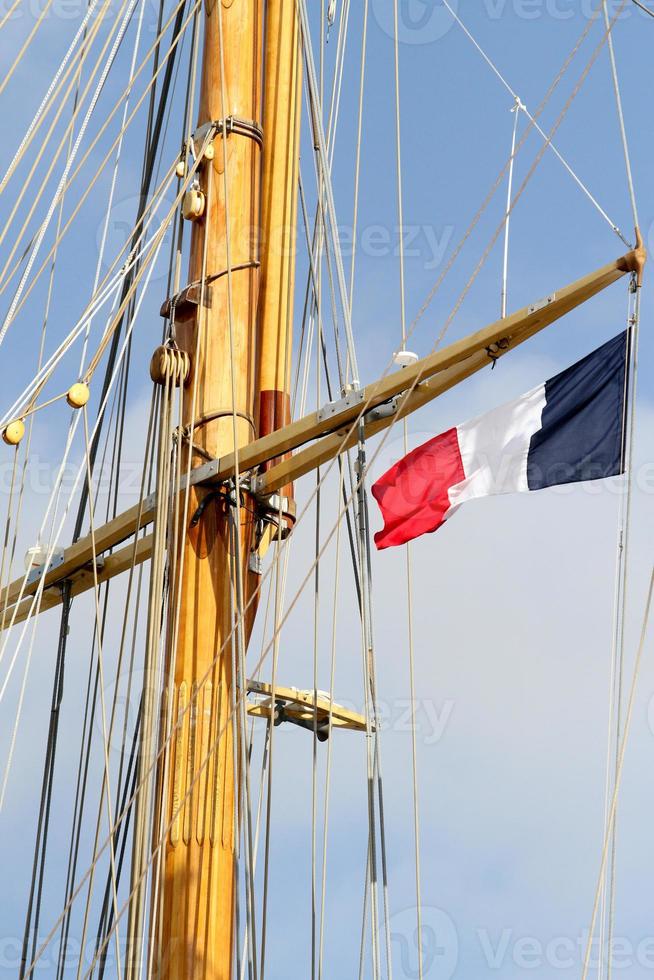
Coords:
581,437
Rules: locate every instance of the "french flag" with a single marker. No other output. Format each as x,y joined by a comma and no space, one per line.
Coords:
567,430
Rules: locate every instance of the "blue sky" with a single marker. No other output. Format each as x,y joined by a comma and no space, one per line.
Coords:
512,599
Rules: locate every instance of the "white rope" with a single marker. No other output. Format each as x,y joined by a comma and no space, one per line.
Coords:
64,177
95,304
36,601
327,183
46,98
114,177
509,194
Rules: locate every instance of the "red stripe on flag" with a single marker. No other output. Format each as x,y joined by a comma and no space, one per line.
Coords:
413,494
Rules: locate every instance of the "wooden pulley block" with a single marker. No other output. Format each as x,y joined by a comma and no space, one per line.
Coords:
193,204
169,365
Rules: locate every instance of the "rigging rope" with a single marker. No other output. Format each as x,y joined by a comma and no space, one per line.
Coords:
620,111
619,771
532,119
517,106
624,523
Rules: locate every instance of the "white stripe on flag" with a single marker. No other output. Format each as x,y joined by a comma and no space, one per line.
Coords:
494,448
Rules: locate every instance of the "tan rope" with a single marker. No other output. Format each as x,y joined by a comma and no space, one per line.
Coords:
28,183
28,40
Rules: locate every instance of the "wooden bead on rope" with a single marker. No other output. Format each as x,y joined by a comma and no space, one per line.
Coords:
169,365
14,432
78,395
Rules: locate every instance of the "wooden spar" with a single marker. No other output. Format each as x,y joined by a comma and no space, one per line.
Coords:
436,373
83,579
196,898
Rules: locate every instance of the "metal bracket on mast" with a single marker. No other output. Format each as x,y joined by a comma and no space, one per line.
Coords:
306,709
232,125
331,410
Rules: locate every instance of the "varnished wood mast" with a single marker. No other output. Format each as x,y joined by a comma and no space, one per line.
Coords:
325,434
256,216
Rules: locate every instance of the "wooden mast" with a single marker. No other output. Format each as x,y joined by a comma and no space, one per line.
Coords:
196,907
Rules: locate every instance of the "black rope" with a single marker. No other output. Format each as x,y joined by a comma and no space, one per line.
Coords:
38,864
129,788
643,7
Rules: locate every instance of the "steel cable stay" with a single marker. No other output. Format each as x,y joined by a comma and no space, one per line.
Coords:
108,289
530,173
28,441
522,108
503,173
642,6
121,786
623,742
409,552
58,683
99,632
